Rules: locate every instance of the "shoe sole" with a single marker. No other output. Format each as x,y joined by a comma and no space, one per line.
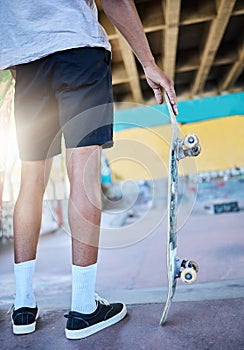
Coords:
86,332
25,329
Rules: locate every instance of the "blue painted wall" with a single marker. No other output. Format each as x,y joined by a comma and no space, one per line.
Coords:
189,111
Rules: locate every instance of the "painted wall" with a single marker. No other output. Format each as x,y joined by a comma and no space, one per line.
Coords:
190,111
142,137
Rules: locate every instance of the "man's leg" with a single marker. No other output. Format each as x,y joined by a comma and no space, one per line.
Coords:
28,208
83,165
27,223
89,314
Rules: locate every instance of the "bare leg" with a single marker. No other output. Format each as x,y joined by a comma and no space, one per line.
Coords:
28,208
84,217
83,165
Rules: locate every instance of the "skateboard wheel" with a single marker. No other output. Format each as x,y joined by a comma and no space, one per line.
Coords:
194,264
188,275
195,151
191,141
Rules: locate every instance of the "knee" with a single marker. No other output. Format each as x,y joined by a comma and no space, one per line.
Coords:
86,198
34,177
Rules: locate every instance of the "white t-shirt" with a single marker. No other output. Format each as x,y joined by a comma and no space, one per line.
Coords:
33,29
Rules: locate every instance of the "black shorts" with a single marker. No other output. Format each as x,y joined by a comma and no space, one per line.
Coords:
69,93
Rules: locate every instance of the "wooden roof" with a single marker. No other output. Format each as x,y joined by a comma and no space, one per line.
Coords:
198,43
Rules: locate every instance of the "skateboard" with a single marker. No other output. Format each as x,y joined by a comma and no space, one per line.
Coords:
176,267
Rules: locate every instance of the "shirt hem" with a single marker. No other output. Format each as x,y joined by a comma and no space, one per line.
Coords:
12,64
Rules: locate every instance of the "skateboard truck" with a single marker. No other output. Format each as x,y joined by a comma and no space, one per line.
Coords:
187,147
186,270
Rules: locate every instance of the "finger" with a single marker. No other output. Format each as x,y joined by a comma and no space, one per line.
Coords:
172,98
158,95
174,107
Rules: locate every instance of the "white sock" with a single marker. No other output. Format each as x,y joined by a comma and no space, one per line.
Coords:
83,288
24,272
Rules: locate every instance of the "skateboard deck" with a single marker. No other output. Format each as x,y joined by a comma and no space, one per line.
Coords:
177,267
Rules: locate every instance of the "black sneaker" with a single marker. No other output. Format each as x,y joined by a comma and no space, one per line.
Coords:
24,320
82,325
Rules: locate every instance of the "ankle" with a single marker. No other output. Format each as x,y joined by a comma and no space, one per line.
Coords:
83,289
24,279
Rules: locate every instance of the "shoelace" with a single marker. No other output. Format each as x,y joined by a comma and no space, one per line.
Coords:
101,300
98,299
10,309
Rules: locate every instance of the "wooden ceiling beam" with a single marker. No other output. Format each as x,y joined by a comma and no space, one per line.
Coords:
216,32
234,72
172,18
131,69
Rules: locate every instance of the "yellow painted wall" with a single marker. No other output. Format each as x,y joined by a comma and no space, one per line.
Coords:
142,153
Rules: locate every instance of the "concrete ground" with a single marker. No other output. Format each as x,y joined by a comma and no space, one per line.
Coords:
206,315
192,325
